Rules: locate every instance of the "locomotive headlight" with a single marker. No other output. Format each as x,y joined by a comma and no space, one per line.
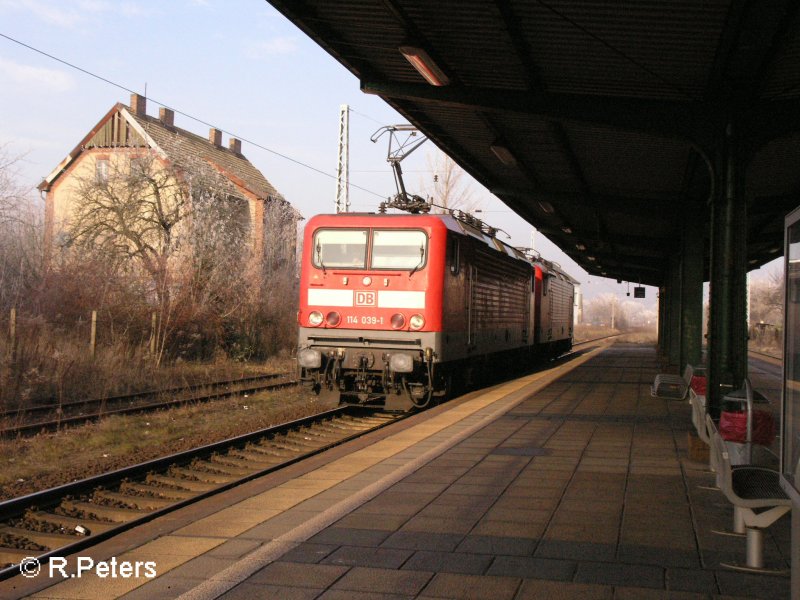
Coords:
367,281
401,363
333,319
309,358
315,319
416,322
398,321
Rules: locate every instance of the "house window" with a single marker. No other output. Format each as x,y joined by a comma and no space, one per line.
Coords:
101,170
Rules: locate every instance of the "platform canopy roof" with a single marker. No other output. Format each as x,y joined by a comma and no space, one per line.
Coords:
600,122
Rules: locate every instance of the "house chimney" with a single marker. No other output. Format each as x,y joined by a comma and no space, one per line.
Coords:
166,116
138,105
215,136
235,145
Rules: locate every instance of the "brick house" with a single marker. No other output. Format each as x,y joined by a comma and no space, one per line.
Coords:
126,133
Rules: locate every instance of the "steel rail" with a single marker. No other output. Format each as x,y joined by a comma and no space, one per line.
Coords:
60,406
17,507
63,421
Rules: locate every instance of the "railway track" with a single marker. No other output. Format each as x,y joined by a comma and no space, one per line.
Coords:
51,417
770,357
71,517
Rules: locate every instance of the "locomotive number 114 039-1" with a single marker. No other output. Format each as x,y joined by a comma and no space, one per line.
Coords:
364,320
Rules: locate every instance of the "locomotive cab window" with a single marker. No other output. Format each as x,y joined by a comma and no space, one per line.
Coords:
340,248
399,249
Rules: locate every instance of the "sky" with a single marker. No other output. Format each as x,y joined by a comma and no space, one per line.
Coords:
237,65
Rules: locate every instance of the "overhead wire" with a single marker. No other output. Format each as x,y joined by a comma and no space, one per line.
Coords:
187,115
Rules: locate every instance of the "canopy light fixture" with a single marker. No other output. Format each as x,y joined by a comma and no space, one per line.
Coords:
424,65
546,207
580,247
591,258
566,229
503,154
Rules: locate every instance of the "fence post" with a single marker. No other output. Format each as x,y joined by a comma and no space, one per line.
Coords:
93,335
153,323
12,333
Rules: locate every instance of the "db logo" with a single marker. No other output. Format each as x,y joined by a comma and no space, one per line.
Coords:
365,299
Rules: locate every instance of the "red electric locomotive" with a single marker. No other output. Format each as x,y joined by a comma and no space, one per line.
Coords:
395,307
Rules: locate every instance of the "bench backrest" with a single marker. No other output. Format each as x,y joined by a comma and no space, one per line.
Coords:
722,460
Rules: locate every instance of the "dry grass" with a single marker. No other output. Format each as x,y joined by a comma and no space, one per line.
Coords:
47,366
47,460
585,333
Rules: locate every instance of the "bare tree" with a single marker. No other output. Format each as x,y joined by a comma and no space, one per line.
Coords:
20,235
133,212
448,187
216,262
766,312
14,197
766,299
605,310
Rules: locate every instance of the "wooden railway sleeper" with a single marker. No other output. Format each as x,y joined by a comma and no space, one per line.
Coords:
204,476
71,523
267,449
51,540
320,433
192,485
158,491
136,502
114,513
300,439
290,447
259,458
219,468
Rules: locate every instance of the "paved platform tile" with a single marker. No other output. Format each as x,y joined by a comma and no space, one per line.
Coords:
533,589
354,556
619,574
472,587
386,522
510,529
383,581
449,562
260,591
309,553
354,595
162,587
530,567
691,580
298,575
420,540
460,525
492,545
575,550
342,536
753,586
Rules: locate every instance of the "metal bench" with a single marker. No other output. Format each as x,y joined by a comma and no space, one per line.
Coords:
698,404
748,488
673,387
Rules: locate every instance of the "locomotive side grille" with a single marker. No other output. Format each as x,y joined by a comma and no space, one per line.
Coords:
501,293
561,299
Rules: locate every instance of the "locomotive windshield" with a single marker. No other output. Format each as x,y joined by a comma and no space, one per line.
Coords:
340,248
401,249
398,249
